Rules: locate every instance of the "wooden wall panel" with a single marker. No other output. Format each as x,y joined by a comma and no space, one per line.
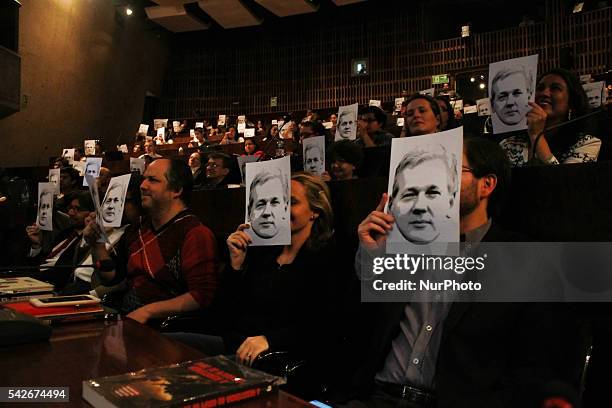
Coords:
310,68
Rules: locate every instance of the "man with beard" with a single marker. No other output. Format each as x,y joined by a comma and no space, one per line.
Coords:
459,354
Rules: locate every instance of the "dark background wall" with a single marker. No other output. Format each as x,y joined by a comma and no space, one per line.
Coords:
306,60
85,73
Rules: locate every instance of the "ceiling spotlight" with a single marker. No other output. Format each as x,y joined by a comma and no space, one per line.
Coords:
472,79
482,77
482,86
128,11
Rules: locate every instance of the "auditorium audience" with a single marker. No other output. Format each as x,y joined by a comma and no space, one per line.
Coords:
231,137
559,99
170,261
266,299
162,261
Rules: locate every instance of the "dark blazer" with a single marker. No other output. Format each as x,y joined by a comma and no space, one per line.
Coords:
491,354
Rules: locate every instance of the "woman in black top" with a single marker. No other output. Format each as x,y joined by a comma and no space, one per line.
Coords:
279,297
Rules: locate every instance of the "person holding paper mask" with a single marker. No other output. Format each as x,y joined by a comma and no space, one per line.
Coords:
68,247
266,301
170,261
559,98
426,354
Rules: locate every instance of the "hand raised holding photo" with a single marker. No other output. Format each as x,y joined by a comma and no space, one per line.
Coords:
237,243
373,230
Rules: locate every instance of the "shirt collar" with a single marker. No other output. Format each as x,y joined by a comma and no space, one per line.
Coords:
477,234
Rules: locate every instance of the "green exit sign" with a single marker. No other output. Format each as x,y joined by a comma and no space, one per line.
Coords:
440,79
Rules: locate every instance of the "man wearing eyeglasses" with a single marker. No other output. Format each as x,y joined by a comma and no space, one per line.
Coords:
68,249
460,355
217,169
370,127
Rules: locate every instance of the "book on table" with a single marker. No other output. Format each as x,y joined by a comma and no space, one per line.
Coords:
13,289
207,382
58,312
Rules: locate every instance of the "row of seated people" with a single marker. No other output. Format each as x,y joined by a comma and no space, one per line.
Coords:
561,138
300,297
296,297
559,98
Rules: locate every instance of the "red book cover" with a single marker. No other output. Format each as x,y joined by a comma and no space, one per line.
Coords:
54,311
208,382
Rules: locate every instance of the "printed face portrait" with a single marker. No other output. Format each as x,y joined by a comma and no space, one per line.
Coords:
510,98
267,205
313,160
421,200
398,104
346,123
483,109
113,204
91,169
593,92
45,206
54,178
594,98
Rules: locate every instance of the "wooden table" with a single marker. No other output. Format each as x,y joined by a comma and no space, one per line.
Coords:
81,351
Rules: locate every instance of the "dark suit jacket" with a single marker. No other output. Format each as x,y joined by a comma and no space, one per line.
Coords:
199,177
491,354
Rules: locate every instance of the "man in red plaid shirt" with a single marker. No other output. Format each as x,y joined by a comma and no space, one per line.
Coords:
170,259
